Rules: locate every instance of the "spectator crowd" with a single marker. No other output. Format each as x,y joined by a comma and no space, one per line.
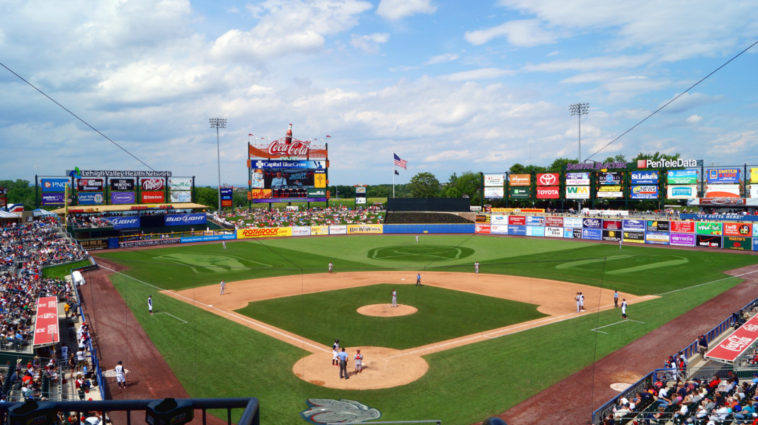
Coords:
276,217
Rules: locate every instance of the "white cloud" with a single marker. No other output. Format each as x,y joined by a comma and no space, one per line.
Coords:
369,43
445,57
478,74
522,33
591,63
399,9
694,119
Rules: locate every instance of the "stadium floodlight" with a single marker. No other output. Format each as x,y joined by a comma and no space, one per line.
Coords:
579,109
218,123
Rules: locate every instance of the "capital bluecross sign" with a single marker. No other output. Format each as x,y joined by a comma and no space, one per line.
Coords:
296,165
185,219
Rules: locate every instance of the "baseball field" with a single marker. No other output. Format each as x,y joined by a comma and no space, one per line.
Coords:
461,347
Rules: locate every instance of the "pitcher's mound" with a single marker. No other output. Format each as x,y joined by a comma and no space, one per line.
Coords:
386,310
383,368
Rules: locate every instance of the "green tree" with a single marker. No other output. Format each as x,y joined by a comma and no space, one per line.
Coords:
19,192
207,196
560,164
468,184
424,185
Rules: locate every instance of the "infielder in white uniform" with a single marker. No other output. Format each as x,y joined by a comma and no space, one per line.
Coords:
150,304
394,300
223,286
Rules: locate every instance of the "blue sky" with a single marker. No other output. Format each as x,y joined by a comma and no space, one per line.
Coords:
449,86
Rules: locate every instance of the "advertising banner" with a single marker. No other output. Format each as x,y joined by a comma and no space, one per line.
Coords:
227,193
681,192
121,173
53,198
266,164
319,179
319,230
120,198
538,231
482,228
755,244
554,232
612,224
499,219
301,230
499,229
180,183
517,230
610,192
497,180
46,325
535,220
90,198
634,236
152,197
256,194
577,179
612,178
89,185
722,191
592,234
737,343
708,228
572,222
592,223
634,224
681,176
569,233
577,192
753,189
194,219
181,196
494,192
131,222
264,232
658,238
149,242
683,226
317,193
644,192
548,192
548,179
707,241
738,229
657,226
519,192
152,184
207,238
576,233
755,231
520,179
516,220
612,235
754,175
682,239
553,221
54,185
355,229
738,243
722,175
644,177
482,218
121,184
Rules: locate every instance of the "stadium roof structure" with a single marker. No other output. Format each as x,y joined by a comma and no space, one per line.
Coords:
130,207
6,214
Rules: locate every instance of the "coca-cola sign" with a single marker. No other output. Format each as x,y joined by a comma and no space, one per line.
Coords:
152,184
279,148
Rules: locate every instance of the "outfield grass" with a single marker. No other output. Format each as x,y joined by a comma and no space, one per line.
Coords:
442,314
64,269
214,357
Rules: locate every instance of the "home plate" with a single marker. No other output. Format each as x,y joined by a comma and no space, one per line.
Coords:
620,386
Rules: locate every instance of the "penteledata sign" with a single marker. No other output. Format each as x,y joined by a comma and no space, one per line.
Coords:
494,180
665,163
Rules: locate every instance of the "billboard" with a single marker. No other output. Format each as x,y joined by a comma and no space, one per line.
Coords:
180,183
572,222
90,198
227,196
548,192
498,219
592,223
284,183
535,220
494,192
520,179
753,191
181,196
193,219
681,176
577,179
644,192
738,229
612,235
634,236
681,192
120,198
54,185
722,175
722,191
644,177
708,228
708,241
738,243
517,230
132,222
494,180
499,229
634,224
152,184
519,192
121,184
287,147
657,238
538,231
53,198
264,232
657,226
754,175
554,232
577,192
609,178
548,179
552,221
610,192
683,226
517,220
152,197
592,234
89,185
612,224
354,229
683,239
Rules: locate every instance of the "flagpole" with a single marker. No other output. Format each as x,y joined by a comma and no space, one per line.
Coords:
394,170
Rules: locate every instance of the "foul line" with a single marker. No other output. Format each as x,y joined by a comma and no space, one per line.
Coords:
614,323
221,312
707,283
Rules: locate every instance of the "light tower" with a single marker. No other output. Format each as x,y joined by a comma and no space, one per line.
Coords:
579,109
218,123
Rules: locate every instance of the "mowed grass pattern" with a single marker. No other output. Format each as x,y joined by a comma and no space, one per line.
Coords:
442,314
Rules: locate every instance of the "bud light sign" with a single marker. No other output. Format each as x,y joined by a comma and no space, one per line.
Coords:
185,219
125,222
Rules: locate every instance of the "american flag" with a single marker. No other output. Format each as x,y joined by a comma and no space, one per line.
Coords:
400,162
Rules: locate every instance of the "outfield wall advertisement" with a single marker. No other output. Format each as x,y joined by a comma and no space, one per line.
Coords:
737,243
682,239
634,236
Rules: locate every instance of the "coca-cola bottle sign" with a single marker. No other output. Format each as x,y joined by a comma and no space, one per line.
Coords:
296,148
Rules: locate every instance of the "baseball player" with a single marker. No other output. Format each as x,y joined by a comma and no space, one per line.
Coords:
623,308
335,352
418,279
358,362
578,303
394,302
120,375
150,304
476,267
331,266
581,300
223,286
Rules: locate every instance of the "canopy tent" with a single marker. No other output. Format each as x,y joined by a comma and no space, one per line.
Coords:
39,212
6,214
736,344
